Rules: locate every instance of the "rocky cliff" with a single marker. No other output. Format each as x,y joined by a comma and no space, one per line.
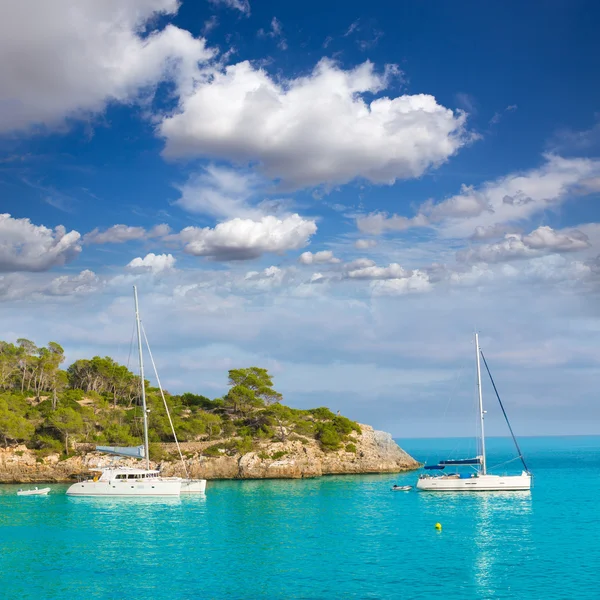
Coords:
376,452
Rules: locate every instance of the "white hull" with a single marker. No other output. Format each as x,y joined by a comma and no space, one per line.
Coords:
193,486
125,488
477,483
36,492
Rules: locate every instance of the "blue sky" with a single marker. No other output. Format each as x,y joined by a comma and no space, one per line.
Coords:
341,192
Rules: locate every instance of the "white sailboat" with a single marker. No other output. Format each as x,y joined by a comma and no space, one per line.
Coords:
477,479
127,481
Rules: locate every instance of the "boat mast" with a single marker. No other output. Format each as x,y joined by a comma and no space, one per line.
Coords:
483,465
144,410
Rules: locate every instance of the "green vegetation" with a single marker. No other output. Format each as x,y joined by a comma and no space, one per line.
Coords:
97,401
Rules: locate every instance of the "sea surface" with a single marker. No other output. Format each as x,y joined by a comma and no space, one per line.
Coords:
333,537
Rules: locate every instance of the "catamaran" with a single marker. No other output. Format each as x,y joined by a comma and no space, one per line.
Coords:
477,479
127,481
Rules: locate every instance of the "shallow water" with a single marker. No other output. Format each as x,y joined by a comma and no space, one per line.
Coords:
333,537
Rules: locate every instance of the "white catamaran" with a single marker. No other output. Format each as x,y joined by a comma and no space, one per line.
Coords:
126,481
477,479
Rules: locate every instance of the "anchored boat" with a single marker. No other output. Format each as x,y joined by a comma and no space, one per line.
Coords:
126,481
34,492
476,478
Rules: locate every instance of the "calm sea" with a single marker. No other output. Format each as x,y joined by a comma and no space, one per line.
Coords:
334,537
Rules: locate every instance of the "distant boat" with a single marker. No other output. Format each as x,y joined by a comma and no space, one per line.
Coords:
478,479
401,488
34,492
126,481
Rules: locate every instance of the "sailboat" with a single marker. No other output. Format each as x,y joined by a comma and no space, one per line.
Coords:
477,479
127,481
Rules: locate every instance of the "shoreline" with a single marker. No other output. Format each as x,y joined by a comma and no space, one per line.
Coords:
374,453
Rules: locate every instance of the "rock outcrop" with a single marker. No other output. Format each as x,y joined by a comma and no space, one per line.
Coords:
376,452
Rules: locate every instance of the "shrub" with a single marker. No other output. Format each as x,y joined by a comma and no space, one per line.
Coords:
322,413
351,448
214,450
328,436
277,455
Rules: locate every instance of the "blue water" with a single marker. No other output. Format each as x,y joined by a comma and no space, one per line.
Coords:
334,537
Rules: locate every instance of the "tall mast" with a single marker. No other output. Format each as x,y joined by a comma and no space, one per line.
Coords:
483,465
144,410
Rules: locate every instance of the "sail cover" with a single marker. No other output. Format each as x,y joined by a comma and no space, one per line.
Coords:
130,452
434,467
464,461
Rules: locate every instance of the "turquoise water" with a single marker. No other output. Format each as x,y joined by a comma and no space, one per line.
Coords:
335,537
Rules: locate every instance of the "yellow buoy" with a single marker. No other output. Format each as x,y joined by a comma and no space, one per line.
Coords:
438,526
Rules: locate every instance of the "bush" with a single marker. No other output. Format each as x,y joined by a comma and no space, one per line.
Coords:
48,445
322,413
277,455
213,451
351,448
328,436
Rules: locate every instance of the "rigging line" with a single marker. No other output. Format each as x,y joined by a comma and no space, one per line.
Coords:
505,462
165,403
503,411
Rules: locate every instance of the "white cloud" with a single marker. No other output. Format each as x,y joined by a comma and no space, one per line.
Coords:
492,231
68,59
28,247
221,192
84,283
518,196
364,244
415,282
276,33
379,222
507,200
543,240
242,239
314,129
119,234
154,263
318,258
242,5
393,271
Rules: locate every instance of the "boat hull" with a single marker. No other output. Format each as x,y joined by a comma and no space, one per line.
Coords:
193,486
479,483
154,487
36,492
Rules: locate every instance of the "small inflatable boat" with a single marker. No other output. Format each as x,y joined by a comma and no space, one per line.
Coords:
401,488
35,492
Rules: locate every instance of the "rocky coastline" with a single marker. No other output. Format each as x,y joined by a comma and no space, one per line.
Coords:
375,452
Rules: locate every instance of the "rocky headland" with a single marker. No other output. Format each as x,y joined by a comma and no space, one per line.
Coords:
369,451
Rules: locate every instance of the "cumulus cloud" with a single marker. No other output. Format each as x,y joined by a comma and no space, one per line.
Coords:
502,202
84,283
153,263
243,239
318,258
416,281
544,240
315,129
518,196
492,231
103,51
119,234
221,192
28,247
242,5
393,271
364,244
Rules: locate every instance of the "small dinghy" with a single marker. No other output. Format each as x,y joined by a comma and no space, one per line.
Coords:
401,488
34,492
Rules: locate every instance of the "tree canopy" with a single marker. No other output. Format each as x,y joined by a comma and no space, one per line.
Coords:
97,401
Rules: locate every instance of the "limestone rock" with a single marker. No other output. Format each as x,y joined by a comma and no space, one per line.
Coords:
376,452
